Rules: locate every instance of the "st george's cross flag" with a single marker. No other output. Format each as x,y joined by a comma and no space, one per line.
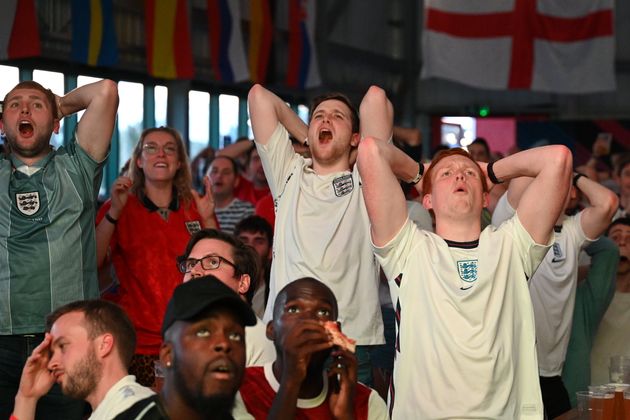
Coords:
560,46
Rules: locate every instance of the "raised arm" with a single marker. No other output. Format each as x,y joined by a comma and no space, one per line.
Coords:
380,164
376,114
100,101
235,150
603,204
541,203
266,110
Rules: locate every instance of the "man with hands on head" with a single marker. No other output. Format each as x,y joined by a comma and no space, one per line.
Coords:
47,207
298,384
465,329
87,351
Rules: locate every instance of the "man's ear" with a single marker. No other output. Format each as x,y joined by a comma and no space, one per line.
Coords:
270,331
355,139
56,125
427,202
166,354
105,344
243,284
485,198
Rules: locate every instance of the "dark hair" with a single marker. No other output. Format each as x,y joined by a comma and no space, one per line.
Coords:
427,182
277,306
621,221
182,182
102,317
624,161
337,96
482,142
231,159
255,224
245,257
30,84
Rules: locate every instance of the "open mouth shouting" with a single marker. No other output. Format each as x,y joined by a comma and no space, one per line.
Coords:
26,128
325,135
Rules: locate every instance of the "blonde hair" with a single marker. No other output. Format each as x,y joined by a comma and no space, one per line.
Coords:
182,180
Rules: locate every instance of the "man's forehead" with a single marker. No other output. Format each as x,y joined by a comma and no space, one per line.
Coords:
67,324
332,104
25,93
221,162
619,228
309,292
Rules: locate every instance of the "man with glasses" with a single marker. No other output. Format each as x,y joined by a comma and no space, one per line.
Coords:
47,206
213,252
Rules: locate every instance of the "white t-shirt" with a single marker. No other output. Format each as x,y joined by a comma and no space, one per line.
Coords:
552,289
258,348
465,345
120,397
322,231
612,339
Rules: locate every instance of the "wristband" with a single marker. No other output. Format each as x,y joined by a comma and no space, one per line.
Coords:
110,219
576,177
418,176
491,175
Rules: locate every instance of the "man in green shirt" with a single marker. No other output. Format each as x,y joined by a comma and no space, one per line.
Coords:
47,208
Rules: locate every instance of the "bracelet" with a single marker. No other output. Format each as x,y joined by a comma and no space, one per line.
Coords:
491,175
110,219
576,177
418,176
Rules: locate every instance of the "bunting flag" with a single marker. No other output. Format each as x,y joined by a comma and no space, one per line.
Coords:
227,53
93,33
521,44
19,33
169,50
302,68
260,32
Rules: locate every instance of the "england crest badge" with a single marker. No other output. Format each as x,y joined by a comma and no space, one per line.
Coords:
467,270
343,185
27,203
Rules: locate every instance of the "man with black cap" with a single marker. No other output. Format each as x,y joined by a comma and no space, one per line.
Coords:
203,353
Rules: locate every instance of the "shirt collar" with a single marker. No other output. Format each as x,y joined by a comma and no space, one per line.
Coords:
151,206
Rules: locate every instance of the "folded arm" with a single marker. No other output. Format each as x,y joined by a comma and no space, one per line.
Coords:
100,102
543,200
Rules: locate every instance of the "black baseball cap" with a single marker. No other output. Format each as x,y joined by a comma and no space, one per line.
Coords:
195,296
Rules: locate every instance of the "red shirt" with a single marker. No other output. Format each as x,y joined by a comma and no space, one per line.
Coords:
144,250
265,209
247,192
258,395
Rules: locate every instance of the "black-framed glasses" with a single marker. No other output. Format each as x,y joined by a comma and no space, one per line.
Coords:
152,148
209,262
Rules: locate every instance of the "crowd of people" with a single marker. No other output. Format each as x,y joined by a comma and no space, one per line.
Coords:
473,287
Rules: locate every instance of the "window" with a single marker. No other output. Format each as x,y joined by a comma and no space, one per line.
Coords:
53,81
130,117
161,98
302,111
9,77
198,121
228,119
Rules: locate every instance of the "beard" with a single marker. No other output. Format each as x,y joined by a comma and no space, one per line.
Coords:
212,407
41,144
84,377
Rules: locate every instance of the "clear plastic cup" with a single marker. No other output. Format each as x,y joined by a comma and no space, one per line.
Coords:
158,370
620,369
